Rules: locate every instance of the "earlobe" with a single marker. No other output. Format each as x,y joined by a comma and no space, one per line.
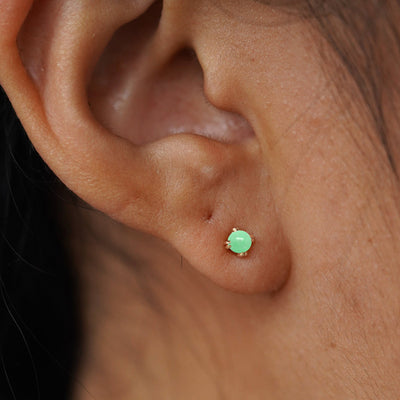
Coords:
187,189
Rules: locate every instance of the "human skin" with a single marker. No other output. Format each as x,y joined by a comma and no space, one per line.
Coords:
175,148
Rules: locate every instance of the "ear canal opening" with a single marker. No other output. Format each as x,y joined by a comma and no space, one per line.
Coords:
145,88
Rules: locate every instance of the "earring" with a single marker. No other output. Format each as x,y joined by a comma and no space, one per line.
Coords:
239,242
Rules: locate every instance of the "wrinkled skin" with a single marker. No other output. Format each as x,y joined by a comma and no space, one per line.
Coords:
178,126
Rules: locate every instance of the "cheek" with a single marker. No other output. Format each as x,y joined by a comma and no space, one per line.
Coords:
324,170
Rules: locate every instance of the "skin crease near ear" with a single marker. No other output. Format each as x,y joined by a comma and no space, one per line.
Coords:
187,122
188,189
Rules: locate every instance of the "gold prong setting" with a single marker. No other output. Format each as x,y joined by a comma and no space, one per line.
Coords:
239,242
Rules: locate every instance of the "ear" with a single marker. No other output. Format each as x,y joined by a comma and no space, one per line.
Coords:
149,150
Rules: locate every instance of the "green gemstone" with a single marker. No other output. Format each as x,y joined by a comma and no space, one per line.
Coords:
240,241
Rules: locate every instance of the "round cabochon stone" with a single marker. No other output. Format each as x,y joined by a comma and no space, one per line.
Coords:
240,242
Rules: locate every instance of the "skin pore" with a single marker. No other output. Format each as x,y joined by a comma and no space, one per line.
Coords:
232,102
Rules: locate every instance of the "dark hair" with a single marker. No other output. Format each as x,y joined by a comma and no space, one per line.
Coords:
38,317
365,37
39,324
